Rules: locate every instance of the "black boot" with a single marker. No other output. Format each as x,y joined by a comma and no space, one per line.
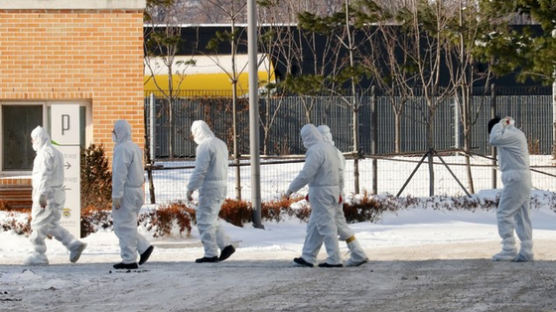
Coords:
300,261
207,259
326,265
226,252
145,255
125,266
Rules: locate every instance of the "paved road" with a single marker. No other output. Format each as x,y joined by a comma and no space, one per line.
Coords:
413,283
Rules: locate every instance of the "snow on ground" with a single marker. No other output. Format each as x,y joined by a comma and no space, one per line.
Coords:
421,259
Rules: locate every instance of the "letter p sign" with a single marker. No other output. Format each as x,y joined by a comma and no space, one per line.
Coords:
65,123
65,127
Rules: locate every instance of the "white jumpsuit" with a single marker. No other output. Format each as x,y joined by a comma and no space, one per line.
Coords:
48,180
344,231
321,172
127,187
210,177
513,208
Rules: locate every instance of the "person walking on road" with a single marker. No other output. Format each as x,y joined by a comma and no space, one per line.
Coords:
513,209
49,198
321,173
357,255
127,197
210,177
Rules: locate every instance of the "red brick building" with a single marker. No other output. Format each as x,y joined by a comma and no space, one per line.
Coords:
86,52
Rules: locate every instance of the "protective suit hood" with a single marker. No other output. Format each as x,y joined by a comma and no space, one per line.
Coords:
201,131
40,137
310,135
122,131
326,134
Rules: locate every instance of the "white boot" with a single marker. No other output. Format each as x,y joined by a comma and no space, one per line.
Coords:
36,259
76,248
505,255
508,253
358,256
525,252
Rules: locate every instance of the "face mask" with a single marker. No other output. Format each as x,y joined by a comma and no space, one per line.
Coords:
35,145
305,144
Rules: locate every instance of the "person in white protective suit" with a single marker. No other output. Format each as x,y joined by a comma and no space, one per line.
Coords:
127,197
357,255
513,208
321,172
48,201
210,177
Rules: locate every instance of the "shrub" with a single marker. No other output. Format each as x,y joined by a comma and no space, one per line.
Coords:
161,221
236,212
365,209
96,179
272,210
12,223
93,218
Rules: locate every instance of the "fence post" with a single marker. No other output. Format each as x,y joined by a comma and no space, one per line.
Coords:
151,120
151,148
457,143
374,139
554,116
492,148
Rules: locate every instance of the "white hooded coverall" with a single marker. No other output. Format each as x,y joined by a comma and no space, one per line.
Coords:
321,172
344,231
513,208
47,180
127,188
210,177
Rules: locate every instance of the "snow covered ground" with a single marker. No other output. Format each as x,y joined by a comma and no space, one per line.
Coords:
421,259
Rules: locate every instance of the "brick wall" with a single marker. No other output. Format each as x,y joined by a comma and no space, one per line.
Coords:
93,55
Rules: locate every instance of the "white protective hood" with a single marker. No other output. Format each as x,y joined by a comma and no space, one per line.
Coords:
201,131
122,131
326,134
310,135
40,138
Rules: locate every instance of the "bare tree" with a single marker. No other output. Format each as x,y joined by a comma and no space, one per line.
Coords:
381,56
234,11
465,29
310,44
166,69
270,28
424,22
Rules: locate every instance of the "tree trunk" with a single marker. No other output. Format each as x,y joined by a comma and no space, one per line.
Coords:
430,145
467,135
148,160
170,114
234,115
266,127
397,130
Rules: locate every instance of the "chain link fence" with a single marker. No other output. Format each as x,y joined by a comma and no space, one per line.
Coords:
533,114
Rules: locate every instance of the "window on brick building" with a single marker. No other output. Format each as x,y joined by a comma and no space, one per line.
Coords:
17,122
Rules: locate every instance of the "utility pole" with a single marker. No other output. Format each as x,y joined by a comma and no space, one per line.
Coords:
254,112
